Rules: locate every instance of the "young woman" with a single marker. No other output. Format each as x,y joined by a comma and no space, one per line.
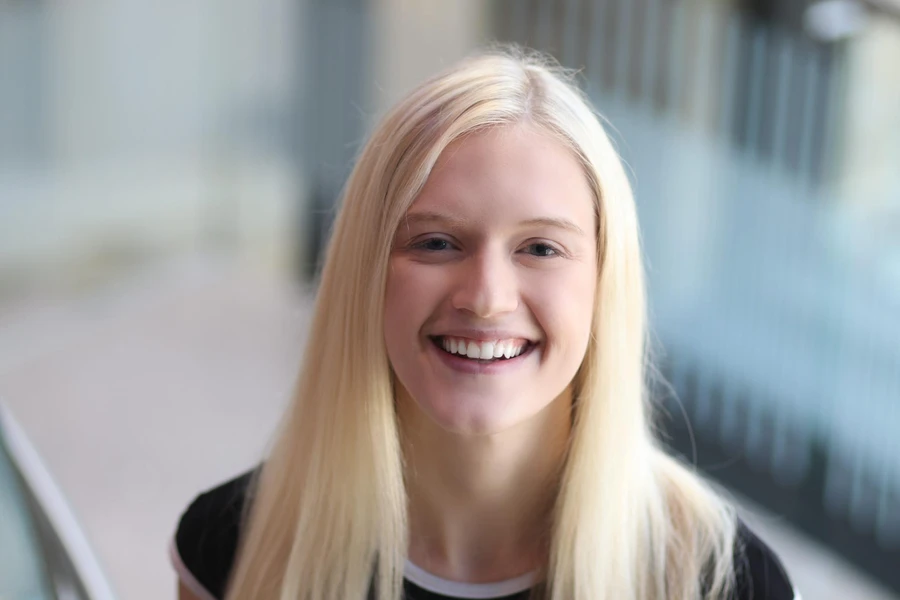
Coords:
471,418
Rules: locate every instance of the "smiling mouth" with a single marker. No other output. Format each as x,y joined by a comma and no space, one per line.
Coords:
483,352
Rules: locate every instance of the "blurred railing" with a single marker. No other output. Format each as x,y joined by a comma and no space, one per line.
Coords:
780,318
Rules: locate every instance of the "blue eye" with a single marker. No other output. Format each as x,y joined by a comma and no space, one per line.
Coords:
434,245
541,250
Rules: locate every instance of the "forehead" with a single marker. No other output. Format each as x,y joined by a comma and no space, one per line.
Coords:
505,172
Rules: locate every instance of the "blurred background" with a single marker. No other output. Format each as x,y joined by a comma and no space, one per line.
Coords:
169,172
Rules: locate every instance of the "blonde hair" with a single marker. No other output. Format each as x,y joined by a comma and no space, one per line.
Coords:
328,516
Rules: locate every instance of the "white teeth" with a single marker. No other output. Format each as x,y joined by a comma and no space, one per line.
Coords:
483,350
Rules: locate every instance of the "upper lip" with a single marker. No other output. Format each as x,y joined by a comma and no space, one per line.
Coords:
484,335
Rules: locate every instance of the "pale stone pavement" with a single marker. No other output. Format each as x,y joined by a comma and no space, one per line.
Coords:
140,395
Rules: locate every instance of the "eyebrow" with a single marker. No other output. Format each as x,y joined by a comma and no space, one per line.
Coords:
434,217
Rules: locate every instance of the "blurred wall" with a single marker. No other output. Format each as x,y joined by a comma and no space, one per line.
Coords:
414,40
141,130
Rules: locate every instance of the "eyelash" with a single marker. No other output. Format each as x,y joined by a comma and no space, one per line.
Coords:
422,246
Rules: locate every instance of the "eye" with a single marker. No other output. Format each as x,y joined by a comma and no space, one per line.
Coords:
433,245
542,250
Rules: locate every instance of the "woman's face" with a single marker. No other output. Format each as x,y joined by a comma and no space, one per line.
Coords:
491,282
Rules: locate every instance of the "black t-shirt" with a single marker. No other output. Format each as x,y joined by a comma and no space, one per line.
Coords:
205,542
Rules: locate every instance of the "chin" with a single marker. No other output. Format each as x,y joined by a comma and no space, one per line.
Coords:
475,416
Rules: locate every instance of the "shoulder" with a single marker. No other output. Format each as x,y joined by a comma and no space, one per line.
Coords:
758,570
207,536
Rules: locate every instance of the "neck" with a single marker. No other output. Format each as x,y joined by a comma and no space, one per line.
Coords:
480,506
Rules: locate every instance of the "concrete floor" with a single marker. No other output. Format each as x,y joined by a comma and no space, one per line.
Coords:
142,394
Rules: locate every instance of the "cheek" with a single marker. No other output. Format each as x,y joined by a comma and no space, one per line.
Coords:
564,309
408,302
397,304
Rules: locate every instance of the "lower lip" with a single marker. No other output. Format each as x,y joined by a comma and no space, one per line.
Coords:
479,367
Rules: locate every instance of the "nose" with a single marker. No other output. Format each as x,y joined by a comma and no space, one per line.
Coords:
487,285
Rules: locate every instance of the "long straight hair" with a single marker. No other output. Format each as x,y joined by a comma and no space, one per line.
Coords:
329,508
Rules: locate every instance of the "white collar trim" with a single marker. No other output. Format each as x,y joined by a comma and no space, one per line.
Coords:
458,589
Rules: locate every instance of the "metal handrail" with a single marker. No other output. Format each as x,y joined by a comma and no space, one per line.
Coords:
55,507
